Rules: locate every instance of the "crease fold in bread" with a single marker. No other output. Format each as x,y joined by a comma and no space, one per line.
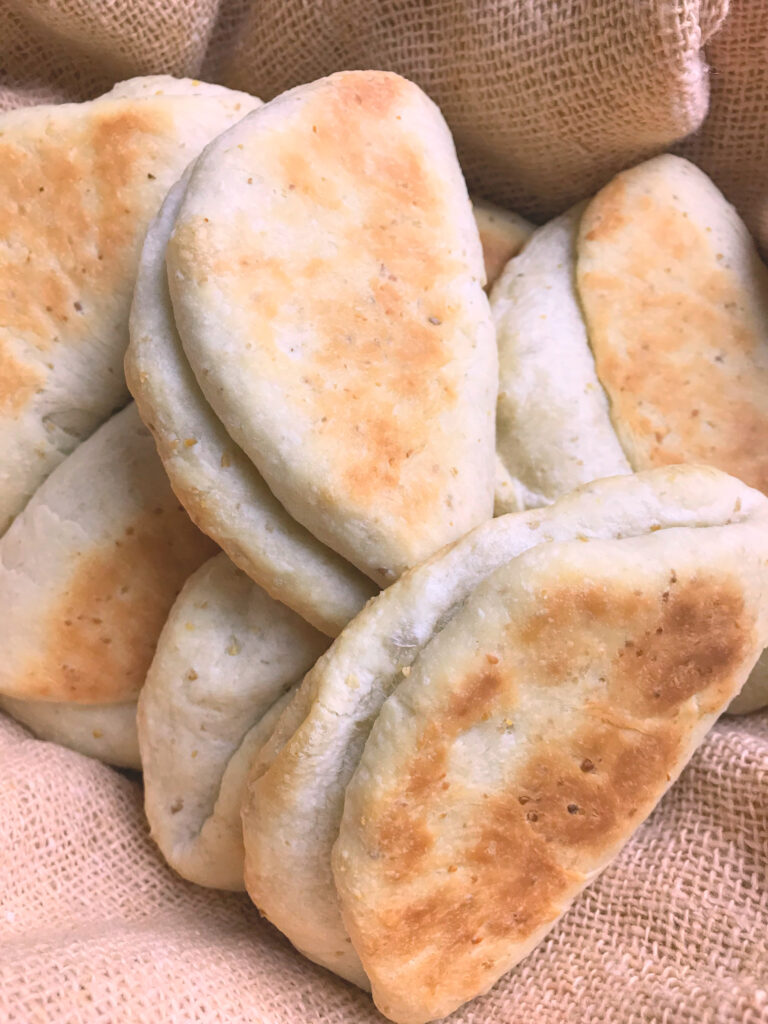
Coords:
329,300
225,661
553,421
219,486
633,333
79,183
88,573
324,779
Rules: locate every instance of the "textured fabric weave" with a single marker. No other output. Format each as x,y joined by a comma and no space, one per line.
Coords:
95,928
547,98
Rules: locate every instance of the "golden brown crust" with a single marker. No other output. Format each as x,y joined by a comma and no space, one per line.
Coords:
103,627
79,184
350,291
677,326
63,236
696,631
18,382
379,379
371,417
526,748
90,569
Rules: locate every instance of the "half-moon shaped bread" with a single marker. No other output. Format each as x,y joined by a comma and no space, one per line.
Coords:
88,573
327,284
295,799
226,657
79,183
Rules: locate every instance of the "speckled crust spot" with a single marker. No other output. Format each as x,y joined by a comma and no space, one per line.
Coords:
502,880
683,639
63,237
102,628
678,329
402,837
531,753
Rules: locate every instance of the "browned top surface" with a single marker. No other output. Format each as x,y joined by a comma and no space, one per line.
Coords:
73,208
539,743
102,627
679,329
341,284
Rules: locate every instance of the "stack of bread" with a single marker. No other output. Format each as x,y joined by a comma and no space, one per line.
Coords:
413,731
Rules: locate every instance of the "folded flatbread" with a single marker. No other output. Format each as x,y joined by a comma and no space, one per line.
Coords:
675,300
554,429
88,573
636,604
633,333
634,328
218,484
79,183
327,285
225,660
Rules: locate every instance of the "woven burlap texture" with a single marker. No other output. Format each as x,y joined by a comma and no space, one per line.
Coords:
94,927
547,98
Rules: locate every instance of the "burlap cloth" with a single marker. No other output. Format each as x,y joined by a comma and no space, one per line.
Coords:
547,98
